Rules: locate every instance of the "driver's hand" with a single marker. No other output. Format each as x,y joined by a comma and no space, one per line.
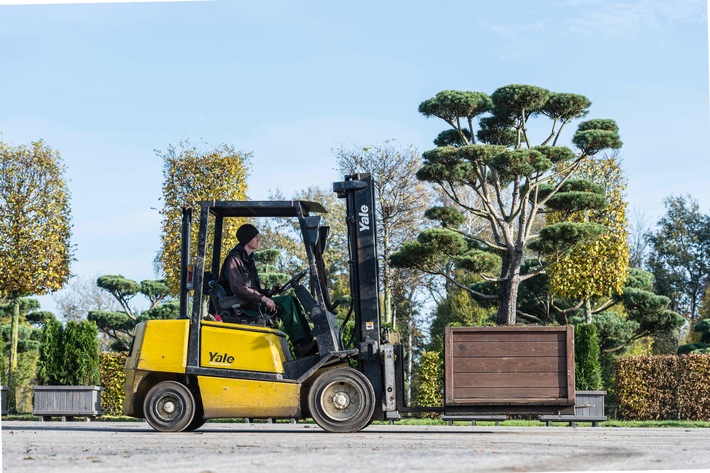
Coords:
269,303
277,287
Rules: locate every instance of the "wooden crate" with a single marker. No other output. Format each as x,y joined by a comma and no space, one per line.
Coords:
509,370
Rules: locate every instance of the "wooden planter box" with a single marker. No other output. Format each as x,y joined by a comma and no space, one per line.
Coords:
509,370
67,401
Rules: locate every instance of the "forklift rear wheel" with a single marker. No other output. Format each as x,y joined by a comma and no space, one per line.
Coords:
342,400
169,407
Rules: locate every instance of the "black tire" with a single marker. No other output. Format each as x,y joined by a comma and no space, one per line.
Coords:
196,423
169,407
341,400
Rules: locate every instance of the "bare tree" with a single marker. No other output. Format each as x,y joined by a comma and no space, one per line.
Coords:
80,296
401,200
639,227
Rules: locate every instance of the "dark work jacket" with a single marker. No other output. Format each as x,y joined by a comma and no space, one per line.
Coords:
240,278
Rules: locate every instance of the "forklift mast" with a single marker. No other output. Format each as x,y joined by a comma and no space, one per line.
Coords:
358,192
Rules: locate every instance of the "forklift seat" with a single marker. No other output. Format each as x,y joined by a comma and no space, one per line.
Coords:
227,307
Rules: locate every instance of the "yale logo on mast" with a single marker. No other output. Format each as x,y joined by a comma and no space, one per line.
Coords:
364,218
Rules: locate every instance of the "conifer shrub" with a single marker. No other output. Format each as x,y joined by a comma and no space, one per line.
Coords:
69,356
588,373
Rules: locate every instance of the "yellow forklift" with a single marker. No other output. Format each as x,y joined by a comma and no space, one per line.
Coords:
179,373
182,372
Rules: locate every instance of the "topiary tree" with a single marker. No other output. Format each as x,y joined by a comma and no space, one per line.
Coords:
266,266
515,182
35,231
119,326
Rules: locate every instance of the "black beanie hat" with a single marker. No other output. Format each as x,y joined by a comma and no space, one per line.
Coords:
246,233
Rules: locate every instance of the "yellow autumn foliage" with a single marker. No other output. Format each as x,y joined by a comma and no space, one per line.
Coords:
35,221
598,267
192,175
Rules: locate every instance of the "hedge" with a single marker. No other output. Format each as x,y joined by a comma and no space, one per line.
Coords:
112,379
671,387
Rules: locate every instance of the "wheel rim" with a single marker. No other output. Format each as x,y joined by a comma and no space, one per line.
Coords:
342,400
169,407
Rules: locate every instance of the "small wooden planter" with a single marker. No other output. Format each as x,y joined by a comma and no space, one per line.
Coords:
67,402
589,408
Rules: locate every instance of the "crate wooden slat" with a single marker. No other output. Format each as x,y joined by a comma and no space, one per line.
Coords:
515,366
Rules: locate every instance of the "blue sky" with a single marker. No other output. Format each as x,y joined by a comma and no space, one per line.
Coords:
107,84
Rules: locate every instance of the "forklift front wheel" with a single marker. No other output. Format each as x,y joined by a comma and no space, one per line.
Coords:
169,407
342,400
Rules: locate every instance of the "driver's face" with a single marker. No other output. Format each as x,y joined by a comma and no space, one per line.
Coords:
253,245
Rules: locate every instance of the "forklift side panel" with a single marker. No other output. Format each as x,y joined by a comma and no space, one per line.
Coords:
224,397
163,346
158,346
242,347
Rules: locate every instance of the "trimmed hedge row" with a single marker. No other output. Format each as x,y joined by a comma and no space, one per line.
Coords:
664,387
112,379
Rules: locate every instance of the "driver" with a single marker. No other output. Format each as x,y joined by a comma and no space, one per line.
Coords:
239,276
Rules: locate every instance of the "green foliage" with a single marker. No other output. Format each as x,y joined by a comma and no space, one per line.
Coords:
679,256
81,354
558,237
50,366
692,348
155,291
118,286
450,105
431,248
664,387
112,379
168,310
615,331
593,136
566,107
587,370
69,356
448,216
429,381
518,100
452,138
27,304
704,328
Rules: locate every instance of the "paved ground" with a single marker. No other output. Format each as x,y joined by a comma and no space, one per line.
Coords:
293,448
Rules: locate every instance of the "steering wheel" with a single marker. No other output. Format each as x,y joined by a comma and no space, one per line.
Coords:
292,282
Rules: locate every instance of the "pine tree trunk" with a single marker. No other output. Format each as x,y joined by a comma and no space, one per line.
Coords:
508,289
